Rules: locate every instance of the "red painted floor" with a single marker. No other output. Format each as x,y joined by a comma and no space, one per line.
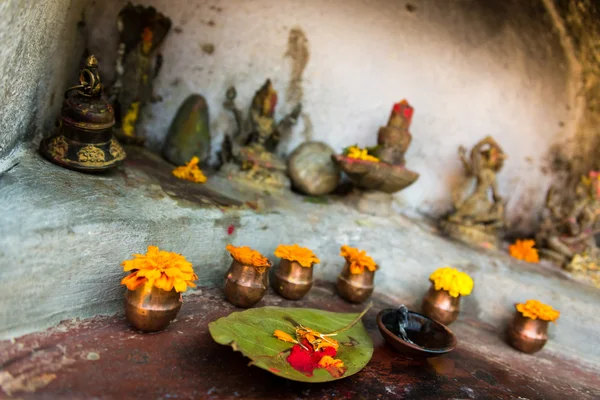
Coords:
103,358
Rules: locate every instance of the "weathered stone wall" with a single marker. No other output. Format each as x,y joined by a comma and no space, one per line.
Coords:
470,68
39,49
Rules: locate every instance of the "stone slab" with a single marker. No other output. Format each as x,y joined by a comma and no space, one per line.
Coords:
63,235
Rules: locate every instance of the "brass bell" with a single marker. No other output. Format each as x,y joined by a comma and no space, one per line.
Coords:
83,139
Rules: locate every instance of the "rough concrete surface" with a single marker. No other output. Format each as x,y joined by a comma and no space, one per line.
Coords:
64,234
38,59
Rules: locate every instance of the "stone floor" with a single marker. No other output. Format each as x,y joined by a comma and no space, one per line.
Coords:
103,358
64,234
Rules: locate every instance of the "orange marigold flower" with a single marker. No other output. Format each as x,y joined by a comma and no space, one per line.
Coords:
163,269
190,171
358,260
360,154
305,257
247,256
524,250
286,337
328,361
535,309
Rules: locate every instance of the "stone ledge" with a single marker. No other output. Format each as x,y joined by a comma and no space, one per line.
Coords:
64,234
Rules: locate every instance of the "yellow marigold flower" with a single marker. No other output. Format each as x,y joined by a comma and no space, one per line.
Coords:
302,255
360,154
328,361
247,256
281,335
452,281
358,260
524,250
190,171
130,119
535,309
163,269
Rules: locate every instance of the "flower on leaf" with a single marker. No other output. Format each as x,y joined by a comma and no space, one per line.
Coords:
359,154
524,250
453,281
535,309
286,337
303,256
163,269
250,257
190,171
358,260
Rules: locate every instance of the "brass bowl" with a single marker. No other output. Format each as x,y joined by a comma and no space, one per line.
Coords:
440,306
431,338
291,280
355,288
245,285
150,309
526,334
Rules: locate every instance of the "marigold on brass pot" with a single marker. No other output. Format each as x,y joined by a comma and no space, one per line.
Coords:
359,154
163,269
250,257
524,250
453,281
302,255
535,309
358,260
190,171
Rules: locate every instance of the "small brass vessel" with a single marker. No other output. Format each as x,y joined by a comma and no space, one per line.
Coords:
440,306
83,139
526,334
151,309
291,280
245,285
355,288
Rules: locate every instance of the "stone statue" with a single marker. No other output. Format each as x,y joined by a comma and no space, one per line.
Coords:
479,219
141,31
383,169
249,154
570,221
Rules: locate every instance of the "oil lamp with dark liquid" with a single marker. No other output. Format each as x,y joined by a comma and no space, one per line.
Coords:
84,140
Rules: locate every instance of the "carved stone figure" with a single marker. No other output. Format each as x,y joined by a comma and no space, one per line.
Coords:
249,154
479,217
141,31
382,168
570,221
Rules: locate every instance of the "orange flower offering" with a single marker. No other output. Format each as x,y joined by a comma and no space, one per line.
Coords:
190,171
247,256
534,309
358,260
301,255
453,281
163,269
524,250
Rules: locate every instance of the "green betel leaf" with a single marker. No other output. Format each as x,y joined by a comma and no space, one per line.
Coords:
251,333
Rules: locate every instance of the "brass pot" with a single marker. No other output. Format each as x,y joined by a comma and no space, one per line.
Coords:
355,288
291,280
526,334
245,285
151,309
440,306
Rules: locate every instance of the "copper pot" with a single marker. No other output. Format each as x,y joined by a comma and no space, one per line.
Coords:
151,309
440,306
245,285
291,280
526,334
355,288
